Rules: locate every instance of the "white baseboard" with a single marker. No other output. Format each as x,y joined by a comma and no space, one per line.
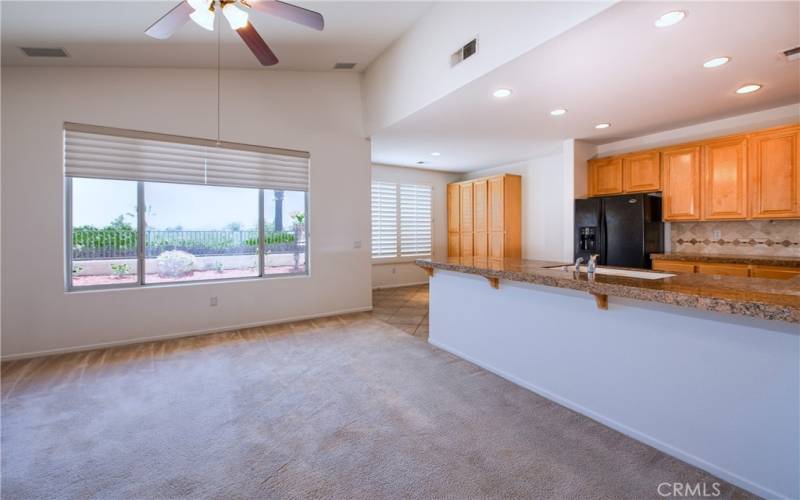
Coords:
628,431
192,333
415,283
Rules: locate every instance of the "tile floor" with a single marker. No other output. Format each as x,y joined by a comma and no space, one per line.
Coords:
405,308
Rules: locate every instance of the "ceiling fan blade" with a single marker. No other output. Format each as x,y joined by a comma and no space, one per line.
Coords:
170,22
257,45
289,12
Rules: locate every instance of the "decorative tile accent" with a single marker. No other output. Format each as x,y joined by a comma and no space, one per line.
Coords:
780,238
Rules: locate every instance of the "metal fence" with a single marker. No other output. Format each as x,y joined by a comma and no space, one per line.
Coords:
119,244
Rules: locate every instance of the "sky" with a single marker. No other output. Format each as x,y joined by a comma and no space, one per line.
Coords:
97,202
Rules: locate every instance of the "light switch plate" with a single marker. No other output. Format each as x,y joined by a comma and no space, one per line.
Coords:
357,244
717,234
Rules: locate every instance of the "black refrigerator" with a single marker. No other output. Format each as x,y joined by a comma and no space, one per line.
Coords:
622,230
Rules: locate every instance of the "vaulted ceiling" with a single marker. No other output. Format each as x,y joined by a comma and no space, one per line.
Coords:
111,33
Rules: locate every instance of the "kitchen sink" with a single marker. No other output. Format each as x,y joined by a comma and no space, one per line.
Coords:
610,271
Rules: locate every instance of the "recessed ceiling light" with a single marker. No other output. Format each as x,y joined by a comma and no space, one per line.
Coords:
746,89
602,125
716,62
558,112
436,154
670,18
502,92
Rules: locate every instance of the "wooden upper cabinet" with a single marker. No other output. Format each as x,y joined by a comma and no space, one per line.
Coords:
496,217
453,208
605,176
681,176
465,221
641,172
489,216
481,217
775,174
725,179
453,220
496,192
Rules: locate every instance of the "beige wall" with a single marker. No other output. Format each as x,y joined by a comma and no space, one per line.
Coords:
398,273
316,112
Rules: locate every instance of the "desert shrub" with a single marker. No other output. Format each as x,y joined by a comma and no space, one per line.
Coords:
175,264
120,270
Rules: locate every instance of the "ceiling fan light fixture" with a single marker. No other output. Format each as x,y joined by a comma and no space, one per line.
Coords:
236,17
199,4
203,18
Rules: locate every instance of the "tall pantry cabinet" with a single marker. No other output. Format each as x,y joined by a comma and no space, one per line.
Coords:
484,217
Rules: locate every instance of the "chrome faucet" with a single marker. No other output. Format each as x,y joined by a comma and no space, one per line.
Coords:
578,263
592,267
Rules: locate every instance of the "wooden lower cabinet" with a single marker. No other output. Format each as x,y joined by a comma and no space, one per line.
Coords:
774,272
453,244
724,269
742,270
673,266
467,244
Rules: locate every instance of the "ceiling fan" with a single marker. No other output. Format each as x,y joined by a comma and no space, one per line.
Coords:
203,12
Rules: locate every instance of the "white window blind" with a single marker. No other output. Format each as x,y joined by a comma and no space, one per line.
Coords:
107,153
401,220
384,219
415,220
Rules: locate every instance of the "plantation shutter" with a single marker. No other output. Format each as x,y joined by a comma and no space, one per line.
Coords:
415,220
384,219
108,153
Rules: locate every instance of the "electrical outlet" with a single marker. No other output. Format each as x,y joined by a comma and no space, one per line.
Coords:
394,270
213,302
717,234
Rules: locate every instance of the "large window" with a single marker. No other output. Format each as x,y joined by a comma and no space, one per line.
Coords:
401,220
143,210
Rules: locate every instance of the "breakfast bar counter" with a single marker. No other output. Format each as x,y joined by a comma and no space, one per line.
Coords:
769,299
703,367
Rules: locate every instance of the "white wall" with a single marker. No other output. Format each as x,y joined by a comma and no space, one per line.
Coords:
416,71
316,112
735,124
716,390
398,273
543,206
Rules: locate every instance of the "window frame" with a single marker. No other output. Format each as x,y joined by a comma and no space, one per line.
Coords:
399,258
141,225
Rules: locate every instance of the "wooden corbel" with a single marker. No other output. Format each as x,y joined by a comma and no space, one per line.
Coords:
601,300
428,271
493,282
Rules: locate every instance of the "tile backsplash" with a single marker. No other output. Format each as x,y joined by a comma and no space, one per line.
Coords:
753,237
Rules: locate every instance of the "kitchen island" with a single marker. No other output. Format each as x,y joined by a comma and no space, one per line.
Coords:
703,367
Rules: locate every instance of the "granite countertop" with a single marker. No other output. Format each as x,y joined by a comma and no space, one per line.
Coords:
764,260
757,297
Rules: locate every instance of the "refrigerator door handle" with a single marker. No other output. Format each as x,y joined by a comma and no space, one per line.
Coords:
603,238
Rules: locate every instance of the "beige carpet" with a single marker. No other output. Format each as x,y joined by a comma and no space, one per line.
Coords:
347,407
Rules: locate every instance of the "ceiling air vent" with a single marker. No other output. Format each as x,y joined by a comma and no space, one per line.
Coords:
468,50
44,52
792,54
341,65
